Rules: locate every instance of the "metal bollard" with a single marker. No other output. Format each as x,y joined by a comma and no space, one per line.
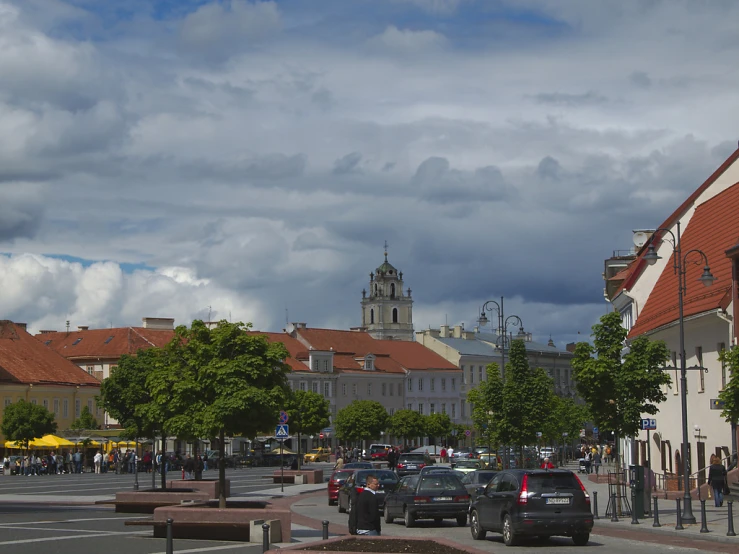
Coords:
656,514
634,521
595,505
614,517
265,537
730,532
704,526
679,524
325,529
170,542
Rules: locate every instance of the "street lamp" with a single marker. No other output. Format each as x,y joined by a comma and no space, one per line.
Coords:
680,269
503,324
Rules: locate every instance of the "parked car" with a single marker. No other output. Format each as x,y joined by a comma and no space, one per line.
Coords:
465,466
317,455
546,452
537,502
378,452
337,479
475,480
438,469
356,483
359,465
410,463
464,453
491,461
436,496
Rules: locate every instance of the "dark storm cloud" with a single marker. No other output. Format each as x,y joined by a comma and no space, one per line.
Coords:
347,164
436,181
20,213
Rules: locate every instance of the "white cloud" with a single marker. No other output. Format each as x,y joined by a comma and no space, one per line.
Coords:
408,41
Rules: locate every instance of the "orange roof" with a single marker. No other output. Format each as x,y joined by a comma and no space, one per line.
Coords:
104,343
25,360
295,348
714,228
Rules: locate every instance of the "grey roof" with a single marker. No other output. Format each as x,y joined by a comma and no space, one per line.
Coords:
484,345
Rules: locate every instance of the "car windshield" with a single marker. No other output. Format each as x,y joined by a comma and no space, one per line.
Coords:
468,463
315,451
342,475
385,477
485,476
411,458
439,482
549,482
376,449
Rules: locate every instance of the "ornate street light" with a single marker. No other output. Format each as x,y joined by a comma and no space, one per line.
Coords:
679,268
503,324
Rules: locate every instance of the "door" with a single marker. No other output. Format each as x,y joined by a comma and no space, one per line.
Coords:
484,504
504,498
701,463
395,499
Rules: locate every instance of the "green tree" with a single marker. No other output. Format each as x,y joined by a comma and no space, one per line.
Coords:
23,422
220,382
566,416
619,389
308,412
407,423
362,419
730,394
486,400
437,425
85,421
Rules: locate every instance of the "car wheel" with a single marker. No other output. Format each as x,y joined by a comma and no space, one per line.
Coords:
461,521
478,533
388,517
581,539
509,537
438,520
409,518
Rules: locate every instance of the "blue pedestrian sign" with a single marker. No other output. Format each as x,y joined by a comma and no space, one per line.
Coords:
595,430
282,432
283,416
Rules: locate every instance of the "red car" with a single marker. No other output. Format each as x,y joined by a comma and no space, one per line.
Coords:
334,483
379,452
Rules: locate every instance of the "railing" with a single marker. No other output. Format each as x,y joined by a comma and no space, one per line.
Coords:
699,477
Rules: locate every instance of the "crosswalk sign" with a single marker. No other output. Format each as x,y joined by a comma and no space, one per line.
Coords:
282,432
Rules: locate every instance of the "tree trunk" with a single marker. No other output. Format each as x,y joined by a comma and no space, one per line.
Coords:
221,470
300,461
163,466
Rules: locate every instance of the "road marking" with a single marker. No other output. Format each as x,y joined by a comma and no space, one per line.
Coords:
72,520
212,548
50,529
49,539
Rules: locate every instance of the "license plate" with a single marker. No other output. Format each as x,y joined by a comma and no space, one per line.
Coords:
443,499
411,467
558,500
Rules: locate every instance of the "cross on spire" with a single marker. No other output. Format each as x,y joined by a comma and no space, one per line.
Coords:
386,245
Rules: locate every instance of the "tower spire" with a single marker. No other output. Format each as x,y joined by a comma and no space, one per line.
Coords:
386,245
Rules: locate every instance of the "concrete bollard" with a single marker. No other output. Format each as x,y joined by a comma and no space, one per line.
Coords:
325,529
614,517
704,526
679,524
595,505
170,542
265,537
656,514
730,532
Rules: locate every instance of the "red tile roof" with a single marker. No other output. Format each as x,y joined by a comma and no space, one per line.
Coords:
109,344
295,348
713,228
24,360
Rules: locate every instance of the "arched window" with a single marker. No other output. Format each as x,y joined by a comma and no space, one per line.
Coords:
395,315
375,288
392,290
372,315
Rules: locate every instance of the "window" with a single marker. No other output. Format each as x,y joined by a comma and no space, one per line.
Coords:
410,385
392,292
303,386
443,383
369,363
314,386
391,411
395,315
433,383
721,347
384,389
372,311
432,408
454,411
461,409
110,338
392,389
420,408
443,408
343,389
627,318
314,364
34,401
701,373
77,407
420,383
454,383
472,375
325,365
65,408
558,380
56,406
90,369
327,389
354,389
462,369
400,389
369,389
292,385
46,403
410,406
8,402
89,406
75,343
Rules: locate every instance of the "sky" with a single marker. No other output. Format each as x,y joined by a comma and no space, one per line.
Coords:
247,160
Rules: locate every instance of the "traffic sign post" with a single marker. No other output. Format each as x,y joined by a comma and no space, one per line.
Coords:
283,416
649,425
281,433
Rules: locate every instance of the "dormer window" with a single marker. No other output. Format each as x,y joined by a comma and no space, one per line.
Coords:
369,362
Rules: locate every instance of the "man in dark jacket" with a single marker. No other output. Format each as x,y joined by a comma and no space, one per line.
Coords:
365,515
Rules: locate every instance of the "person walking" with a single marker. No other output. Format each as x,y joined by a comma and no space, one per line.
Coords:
597,460
546,464
98,461
189,467
717,480
365,515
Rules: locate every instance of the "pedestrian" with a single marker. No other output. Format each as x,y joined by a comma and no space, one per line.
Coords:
365,515
189,467
339,464
450,454
98,461
132,462
597,459
717,480
199,466
391,458
546,464
442,453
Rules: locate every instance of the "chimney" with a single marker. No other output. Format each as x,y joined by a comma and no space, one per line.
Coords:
444,331
158,323
457,331
83,327
46,331
22,326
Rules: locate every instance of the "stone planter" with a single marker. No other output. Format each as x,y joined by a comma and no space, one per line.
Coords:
384,545
146,501
209,486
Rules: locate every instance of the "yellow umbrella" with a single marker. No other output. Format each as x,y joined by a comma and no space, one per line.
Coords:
35,443
57,442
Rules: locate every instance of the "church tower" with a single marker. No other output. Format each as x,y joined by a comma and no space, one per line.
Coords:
387,313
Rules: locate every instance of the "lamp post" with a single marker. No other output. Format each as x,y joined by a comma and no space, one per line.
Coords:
503,323
680,269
